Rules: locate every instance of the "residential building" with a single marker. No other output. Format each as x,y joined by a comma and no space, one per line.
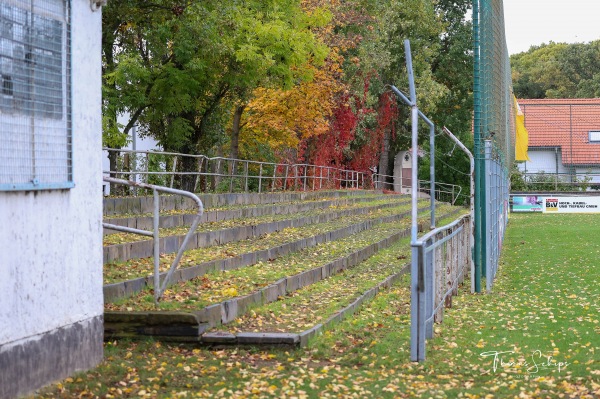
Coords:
564,137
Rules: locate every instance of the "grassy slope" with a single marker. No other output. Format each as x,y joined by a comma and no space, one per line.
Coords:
546,299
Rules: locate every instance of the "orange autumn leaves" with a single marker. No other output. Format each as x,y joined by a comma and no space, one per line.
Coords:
281,118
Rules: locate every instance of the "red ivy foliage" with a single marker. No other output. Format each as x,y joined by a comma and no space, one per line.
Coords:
333,148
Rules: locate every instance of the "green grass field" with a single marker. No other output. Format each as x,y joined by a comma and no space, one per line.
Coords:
537,335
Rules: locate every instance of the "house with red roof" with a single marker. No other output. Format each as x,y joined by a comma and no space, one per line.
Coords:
564,136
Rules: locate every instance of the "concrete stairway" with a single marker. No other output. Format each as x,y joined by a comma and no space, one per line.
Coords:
271,269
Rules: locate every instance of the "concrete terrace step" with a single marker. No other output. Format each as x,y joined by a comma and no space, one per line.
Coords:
170,244
121,271
227,311
115,291
145,204
245,211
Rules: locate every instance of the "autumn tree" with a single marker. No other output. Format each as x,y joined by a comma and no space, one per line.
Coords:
193,65
557,70
285,75
452,66
282,118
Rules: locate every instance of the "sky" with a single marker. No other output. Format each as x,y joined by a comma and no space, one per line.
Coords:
533,22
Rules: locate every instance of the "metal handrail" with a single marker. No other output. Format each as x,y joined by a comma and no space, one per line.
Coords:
158,289
353,178
453,190
425,271
428,243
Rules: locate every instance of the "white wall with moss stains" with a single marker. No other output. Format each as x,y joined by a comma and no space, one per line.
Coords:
51,244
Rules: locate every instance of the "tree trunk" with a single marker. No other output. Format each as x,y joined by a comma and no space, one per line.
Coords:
188,164
235,131
384,161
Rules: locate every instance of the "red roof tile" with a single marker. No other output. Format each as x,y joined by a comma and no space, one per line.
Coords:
564,123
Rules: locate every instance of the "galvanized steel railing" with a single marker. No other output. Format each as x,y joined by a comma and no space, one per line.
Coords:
444,192
444,256
158,288
214,173
440,258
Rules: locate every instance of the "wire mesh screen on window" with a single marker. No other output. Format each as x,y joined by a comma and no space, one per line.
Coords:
35,108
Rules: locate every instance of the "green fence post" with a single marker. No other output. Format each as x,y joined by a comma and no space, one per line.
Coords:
477,144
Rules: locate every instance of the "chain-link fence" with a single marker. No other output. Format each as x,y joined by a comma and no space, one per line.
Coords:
494,134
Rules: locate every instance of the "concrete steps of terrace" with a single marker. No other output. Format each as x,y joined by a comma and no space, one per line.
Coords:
124,246
184,217
125,279
188,314
145,204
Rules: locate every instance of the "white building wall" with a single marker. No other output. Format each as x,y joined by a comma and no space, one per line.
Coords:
592,173
543,161
51,304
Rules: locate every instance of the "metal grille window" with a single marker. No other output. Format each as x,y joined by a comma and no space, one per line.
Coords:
35,97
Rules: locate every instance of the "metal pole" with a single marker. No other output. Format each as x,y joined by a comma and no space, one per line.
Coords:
134,148
231,172
156,239
147,166
320,177
199,173
488,215
260,178
432,175
304,177
246,176
174,169
417,303
477,144
274,177
572,162
431,168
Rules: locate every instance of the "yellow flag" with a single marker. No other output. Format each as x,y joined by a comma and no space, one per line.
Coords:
522,139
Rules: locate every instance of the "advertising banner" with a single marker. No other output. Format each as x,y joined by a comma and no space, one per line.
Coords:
527,204
571,204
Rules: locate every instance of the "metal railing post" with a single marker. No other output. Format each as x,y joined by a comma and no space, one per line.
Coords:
174,169
156,241
199,173
274,177
158,288
246,176
304,177
488,233
320,177
231,173
260,178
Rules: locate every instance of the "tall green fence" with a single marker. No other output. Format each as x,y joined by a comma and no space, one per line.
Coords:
494,135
